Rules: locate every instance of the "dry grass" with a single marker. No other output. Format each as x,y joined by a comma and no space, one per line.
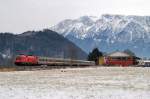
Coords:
7,69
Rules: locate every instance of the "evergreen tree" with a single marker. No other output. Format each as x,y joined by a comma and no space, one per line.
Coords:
94,55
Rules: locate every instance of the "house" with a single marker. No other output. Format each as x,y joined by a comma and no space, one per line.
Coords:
119,59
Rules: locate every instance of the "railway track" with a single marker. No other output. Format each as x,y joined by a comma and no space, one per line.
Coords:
43,67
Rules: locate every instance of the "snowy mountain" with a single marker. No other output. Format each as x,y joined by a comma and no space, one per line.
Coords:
108,33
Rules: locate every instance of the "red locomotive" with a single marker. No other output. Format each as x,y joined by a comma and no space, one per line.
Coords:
26,60
37,60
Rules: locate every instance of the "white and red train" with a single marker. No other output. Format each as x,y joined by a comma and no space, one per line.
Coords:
29,60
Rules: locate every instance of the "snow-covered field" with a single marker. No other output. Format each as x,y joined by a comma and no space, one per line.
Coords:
77,83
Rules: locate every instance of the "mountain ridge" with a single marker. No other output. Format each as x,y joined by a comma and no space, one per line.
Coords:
45,43
108,31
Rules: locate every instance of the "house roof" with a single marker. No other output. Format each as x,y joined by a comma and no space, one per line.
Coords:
118,54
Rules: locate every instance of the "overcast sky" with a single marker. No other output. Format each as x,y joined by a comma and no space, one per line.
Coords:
21,15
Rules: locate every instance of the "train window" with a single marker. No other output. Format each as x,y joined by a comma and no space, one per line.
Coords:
40,59
18,58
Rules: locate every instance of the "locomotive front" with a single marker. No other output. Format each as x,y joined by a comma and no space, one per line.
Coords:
26,60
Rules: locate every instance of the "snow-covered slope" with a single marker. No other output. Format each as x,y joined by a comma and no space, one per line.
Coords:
108,32
78,27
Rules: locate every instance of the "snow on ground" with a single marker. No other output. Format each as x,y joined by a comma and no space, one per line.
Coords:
77,83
